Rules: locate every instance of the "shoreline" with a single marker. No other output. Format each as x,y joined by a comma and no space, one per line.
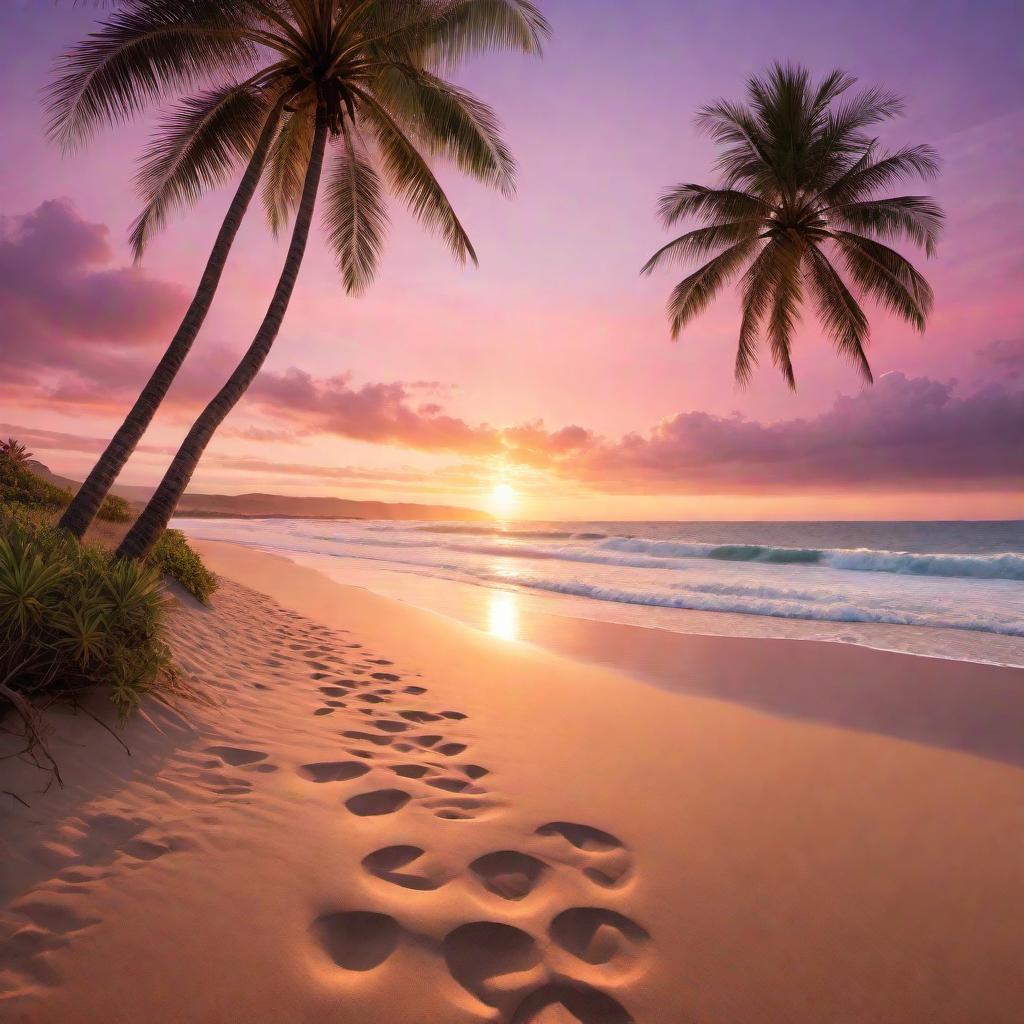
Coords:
960,705
719,863
463,592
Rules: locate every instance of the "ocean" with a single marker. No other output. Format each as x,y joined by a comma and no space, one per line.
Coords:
947,589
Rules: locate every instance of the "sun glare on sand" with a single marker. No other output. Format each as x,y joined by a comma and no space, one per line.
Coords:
503,499
503,615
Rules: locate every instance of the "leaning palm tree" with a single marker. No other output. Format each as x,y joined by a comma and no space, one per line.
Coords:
154,48
143,52
361,77
800,183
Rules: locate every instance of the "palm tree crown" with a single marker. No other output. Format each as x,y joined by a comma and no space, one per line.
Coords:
800,177
371,66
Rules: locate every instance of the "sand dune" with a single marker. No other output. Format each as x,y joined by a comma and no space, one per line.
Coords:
384,817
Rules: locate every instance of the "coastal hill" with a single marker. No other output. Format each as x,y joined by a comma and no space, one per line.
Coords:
283,505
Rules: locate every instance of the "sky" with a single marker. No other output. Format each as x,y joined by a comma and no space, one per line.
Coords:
549,369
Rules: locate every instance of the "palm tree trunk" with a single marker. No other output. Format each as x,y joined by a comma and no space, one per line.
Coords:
86,503
157,513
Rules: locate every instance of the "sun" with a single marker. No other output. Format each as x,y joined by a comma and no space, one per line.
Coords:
503,499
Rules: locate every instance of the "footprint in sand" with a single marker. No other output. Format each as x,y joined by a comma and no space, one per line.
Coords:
385,725
499,964
602,857
236,756
583,837
365,737
357,940
458,808
454,785
508,873
451,749
377,802
333,771
579,1004
599,936
406,866
419,716
492,961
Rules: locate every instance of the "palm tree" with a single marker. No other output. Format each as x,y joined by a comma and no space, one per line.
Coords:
152,48
800,177
361,76
147,49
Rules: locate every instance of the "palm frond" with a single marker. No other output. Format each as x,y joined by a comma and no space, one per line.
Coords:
756,285
694,293
355,217
144,51
286,165
450,122
411,178
838,310
689,200
863,177
785,307
194,149
918,218
466,27
885,275
698,243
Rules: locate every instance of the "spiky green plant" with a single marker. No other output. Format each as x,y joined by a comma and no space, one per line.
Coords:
14,451
267,70
73,617
801,177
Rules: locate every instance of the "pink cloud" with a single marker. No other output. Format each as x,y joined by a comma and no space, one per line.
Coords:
381,413
62,304
903,434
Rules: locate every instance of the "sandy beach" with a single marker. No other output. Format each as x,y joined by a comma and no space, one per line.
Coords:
379,815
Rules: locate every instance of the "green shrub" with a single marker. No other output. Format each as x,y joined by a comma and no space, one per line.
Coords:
19,485
173,557
72,617
115,509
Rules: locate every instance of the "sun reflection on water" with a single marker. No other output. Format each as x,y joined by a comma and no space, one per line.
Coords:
503,615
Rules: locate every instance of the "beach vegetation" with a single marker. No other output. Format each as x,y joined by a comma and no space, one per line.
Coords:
20,486
73,617
801,212
15,452
173,556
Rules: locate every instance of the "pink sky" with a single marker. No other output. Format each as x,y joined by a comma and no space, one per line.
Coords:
550,366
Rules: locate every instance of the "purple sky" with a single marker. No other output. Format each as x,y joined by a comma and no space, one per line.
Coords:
435,385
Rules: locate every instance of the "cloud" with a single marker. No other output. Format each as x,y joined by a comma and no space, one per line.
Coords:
77,331
61,302
379,413
904,434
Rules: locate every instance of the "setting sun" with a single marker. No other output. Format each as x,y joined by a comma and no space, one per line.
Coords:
503,499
